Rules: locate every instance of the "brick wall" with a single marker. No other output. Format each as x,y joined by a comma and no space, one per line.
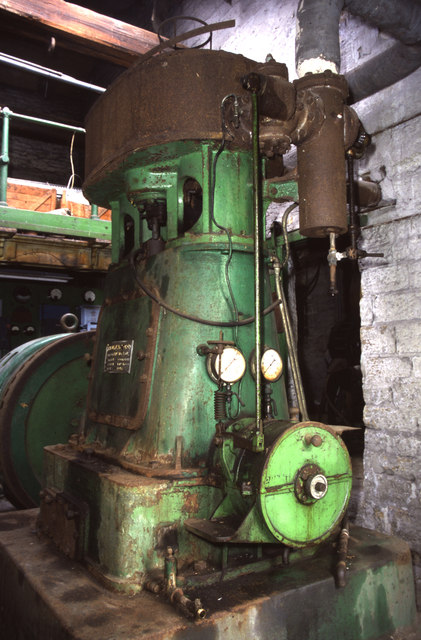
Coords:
390,318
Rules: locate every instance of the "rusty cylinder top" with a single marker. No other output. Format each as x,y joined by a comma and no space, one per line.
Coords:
171,97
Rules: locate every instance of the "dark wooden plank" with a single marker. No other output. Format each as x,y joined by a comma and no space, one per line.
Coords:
101,36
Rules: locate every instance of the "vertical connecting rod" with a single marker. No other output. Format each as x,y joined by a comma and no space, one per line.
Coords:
257,264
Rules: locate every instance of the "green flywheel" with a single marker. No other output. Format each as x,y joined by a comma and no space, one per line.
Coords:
305,484
43,388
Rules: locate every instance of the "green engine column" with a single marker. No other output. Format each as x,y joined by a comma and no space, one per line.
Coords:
183,272
165,392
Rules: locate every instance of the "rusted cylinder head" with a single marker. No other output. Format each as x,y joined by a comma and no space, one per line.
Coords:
321,160
171,97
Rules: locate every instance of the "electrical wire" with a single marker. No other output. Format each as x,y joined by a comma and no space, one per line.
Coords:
182,314
71,181
285,233
211,323
212,207
239,402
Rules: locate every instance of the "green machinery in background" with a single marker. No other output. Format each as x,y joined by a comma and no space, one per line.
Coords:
43,386
188,468
51,263
33,304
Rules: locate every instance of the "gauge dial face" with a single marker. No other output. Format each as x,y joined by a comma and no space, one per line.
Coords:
89,296
271,365
56,294
229,366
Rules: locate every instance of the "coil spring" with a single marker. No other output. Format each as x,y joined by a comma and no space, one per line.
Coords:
220,405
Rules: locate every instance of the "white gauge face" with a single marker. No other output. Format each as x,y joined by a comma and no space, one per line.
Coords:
230,365
271,365
89,296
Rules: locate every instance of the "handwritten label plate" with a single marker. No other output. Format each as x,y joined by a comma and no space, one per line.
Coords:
118,356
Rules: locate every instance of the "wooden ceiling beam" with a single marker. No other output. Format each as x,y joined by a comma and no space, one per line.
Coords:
98,35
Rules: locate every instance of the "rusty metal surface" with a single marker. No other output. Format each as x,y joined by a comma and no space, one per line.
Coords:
63,520
152,469
48,596
369,194
29,249
175,96
321,160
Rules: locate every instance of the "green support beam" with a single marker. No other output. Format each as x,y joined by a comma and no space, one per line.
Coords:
52,223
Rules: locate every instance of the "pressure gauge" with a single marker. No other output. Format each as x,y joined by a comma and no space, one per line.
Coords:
228,366
89,296
271,365
56,294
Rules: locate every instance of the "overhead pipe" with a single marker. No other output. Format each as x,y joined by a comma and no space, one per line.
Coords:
25,65
401,19
317,41
383,70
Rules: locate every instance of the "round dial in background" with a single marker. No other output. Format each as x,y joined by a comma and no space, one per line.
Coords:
22,294
89,296
56,294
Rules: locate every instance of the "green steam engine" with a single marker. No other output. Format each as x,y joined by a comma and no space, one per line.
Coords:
187,466
188,450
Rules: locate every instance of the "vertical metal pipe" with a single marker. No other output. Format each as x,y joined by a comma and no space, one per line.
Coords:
321,160
292,351
257,259
353,222
4,158
94,212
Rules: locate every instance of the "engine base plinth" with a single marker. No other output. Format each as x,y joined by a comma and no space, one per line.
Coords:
45,595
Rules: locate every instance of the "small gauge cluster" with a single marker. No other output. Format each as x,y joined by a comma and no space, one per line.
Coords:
229,366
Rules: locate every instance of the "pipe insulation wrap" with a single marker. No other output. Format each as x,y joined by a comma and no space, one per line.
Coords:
383,70
317,41
399,18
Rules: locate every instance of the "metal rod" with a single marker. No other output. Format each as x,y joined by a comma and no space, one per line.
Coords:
292,351
48,123
353,223
48,73
94,212
257,260
342,552
4,158
332,260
